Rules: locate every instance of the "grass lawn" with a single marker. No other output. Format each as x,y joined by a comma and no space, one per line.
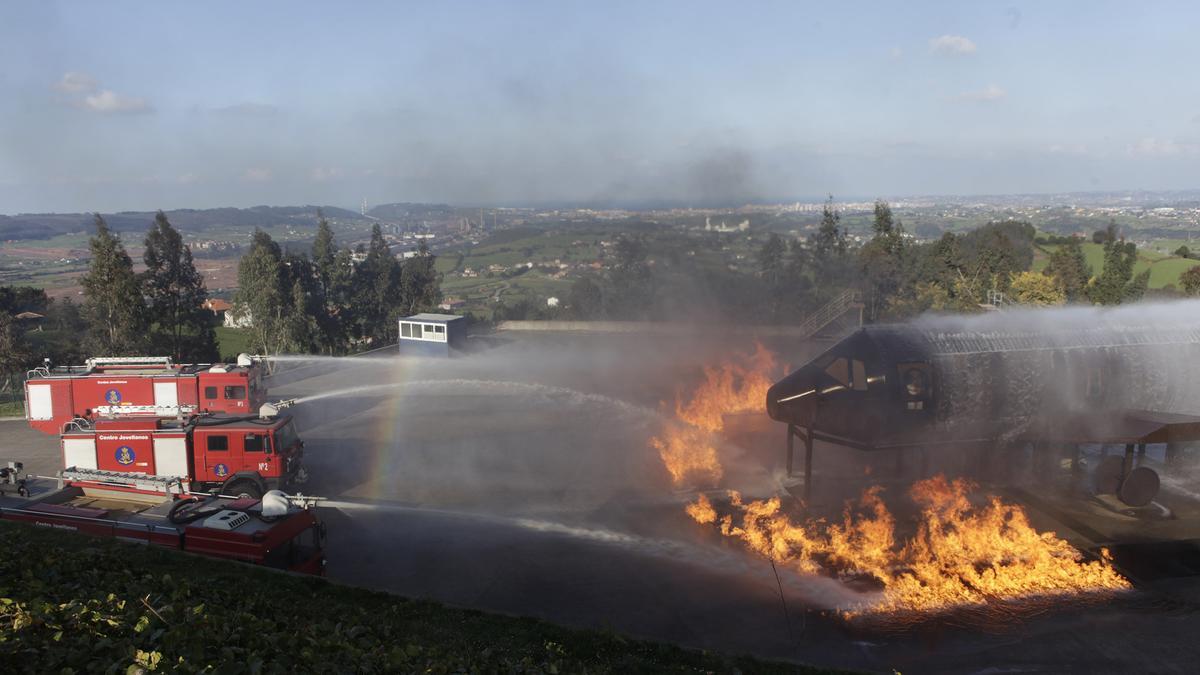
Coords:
1164,270
70,603
232,341
12,409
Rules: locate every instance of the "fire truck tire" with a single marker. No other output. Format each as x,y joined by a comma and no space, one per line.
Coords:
243,488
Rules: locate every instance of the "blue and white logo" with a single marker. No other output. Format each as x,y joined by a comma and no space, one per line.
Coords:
125,455
221,470
113,397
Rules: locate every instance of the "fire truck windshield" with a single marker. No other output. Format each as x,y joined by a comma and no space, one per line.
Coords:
286,437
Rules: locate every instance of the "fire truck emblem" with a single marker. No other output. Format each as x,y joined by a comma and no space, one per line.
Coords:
221,470
125,455
113,397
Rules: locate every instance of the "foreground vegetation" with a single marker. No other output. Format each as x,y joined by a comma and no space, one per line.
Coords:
69,603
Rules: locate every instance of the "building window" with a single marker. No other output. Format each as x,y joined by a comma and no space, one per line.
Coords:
210,392
405,329
439,329
235,393
218,443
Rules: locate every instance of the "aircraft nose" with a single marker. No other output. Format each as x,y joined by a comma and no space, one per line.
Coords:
790,399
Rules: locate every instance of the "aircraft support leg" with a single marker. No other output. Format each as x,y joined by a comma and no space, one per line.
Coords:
791,447
808,450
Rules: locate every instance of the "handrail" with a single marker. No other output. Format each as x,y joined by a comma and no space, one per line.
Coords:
828,312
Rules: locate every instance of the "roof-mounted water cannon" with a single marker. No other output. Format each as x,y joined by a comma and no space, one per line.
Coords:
269,410
277,503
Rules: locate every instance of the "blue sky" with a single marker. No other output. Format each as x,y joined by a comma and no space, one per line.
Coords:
142,105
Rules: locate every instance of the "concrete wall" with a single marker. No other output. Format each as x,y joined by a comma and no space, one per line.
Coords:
647,327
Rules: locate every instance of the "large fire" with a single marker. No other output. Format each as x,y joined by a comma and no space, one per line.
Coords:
688,444
962,554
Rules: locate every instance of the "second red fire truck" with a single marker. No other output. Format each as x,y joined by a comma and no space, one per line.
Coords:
243,456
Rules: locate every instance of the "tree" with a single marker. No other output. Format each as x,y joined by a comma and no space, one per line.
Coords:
14,355
585,299
377,289
1114,286
883,262
1039,290
175,293
339,301
1183,252
420,282
772,270
830,239
116,310
305,307
631,280
324,251
17,299
261,297
1069,269
1190,281
1106,236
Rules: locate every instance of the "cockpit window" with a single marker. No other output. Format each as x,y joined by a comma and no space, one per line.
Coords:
840,371
859,374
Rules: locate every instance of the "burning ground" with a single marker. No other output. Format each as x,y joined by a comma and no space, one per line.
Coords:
968,550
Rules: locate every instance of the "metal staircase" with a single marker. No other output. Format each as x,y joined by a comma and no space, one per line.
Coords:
832,311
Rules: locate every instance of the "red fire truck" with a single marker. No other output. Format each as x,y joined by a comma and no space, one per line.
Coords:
276,531
243,456
140,387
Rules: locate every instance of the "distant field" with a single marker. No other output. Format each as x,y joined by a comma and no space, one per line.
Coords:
1164,269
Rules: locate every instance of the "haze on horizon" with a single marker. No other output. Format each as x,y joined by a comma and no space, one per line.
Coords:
107,106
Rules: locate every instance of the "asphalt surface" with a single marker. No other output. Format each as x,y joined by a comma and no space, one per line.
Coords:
520,480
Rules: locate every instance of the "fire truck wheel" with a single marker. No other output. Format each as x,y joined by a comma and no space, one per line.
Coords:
244,489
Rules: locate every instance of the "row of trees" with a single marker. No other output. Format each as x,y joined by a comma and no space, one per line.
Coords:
899,277
896,275
330,299
159,310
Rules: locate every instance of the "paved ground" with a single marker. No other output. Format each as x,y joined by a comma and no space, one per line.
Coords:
520,481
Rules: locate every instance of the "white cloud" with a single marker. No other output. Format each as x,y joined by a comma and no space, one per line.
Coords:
989,93
896,54
322,174
256,175
1073,149
247,109
1162,147
952,45
85,93
75,83
108,101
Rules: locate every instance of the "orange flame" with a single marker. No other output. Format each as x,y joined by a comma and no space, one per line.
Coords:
688,447
962,554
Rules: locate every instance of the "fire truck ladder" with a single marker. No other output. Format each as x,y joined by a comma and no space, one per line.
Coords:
146,410
120,479
160,361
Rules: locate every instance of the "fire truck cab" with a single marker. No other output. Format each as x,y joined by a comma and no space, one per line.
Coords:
242,456
140,387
